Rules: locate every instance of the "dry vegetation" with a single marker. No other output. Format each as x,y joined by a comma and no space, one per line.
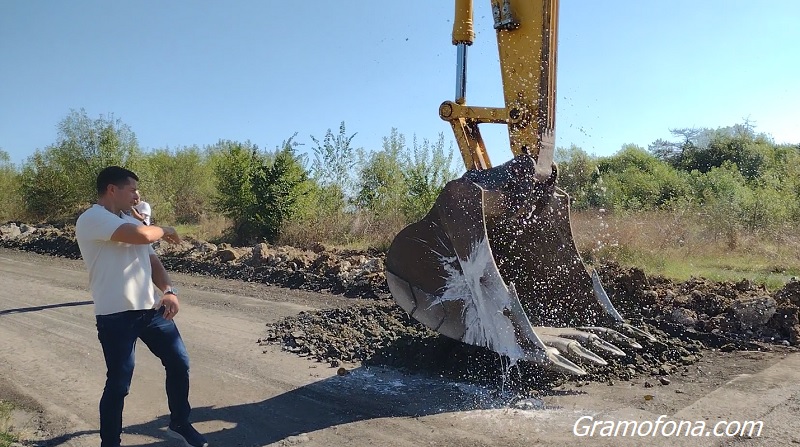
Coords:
355,231
683,245
672,244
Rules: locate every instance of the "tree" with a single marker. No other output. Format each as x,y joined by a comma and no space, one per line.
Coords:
721,194
45,188
332,170
704,149
279,188
783,172
427,170
233,170
10,202
258,191
381,188
741,148
178,183
637,180
577,175
60,179
673,152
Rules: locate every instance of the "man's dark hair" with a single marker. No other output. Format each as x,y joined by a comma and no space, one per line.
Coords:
113,175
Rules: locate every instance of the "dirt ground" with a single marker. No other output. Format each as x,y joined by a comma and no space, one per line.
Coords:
248,392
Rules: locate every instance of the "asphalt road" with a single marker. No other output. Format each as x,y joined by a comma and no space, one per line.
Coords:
245,394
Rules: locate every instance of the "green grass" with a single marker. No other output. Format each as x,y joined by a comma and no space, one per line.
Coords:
198,231
209,228
187,230
729,269
680,265
6,438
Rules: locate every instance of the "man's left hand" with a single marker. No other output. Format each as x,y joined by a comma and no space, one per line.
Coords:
171,306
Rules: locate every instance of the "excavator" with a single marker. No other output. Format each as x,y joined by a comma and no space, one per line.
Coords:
494,262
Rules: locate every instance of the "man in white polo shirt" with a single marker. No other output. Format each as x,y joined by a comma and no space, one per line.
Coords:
133,299
141,211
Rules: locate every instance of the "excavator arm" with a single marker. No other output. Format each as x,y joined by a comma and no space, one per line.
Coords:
526,40
494,262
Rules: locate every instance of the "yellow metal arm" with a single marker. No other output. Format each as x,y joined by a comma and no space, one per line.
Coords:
526,41
463,31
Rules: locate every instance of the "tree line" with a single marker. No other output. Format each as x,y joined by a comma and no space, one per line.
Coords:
733,178
261,191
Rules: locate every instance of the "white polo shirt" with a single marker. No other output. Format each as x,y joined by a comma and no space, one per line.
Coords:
144,209
120,274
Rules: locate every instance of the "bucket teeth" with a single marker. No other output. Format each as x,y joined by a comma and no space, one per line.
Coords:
573,349
637,333
586,337
557,362
620,324
602,298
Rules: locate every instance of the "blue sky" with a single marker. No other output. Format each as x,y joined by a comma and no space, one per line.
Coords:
184,72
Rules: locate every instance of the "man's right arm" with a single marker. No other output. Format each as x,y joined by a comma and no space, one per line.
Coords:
136,214
144,234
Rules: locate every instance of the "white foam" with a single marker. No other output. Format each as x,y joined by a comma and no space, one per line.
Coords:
484,301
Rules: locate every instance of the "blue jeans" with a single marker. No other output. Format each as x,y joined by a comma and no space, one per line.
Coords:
118,334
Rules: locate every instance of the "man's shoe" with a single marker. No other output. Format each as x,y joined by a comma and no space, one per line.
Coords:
187,434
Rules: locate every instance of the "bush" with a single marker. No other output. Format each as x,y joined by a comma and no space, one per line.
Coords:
635,180
260,192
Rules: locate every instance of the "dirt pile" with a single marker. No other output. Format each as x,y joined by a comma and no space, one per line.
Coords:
45,239
740,311
351,273
384,334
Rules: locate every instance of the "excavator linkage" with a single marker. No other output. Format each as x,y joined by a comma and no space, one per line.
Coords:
494,263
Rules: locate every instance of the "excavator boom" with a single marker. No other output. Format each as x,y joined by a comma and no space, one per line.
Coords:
494,262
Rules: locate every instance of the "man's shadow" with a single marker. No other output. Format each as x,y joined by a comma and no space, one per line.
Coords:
20,310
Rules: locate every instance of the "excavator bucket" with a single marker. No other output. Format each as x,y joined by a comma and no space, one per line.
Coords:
494,264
